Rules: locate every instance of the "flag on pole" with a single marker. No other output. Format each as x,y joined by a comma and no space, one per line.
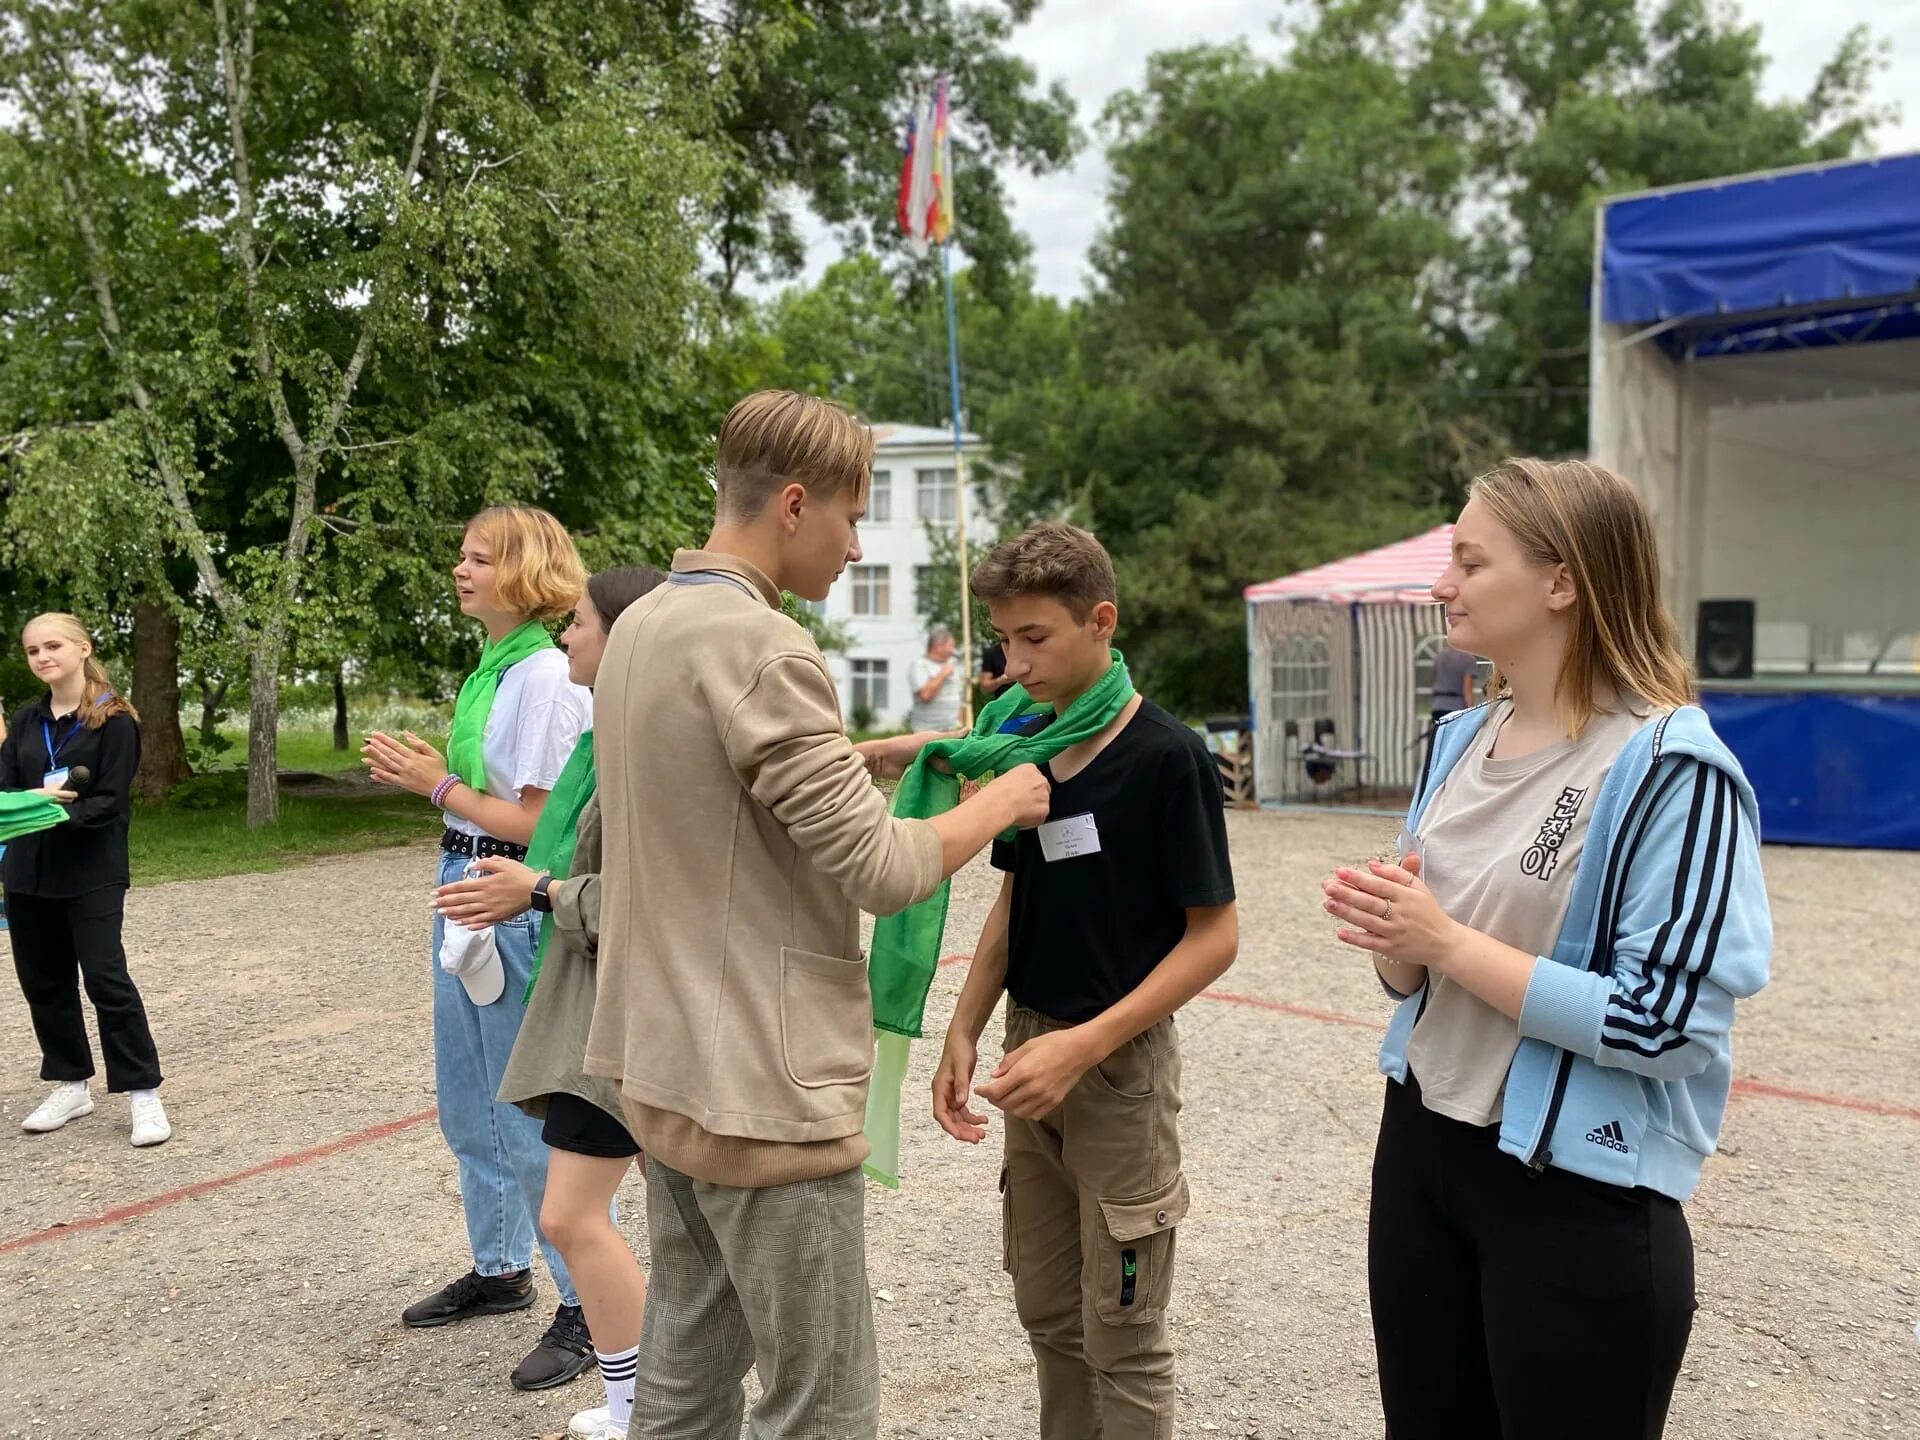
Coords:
926,173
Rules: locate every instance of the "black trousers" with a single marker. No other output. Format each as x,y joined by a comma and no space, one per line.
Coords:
1515,1306
58,943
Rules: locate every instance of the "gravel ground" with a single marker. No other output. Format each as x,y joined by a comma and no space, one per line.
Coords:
293,1010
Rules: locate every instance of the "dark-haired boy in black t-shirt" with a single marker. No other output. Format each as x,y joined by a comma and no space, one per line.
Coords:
1111,916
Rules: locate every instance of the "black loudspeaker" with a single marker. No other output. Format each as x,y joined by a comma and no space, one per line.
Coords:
1723,640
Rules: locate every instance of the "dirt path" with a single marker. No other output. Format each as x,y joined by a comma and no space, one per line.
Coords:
292,1012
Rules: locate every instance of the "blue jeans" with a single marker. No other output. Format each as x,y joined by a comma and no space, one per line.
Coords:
503,1162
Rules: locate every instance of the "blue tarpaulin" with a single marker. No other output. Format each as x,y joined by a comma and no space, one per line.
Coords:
1828,769
1818,239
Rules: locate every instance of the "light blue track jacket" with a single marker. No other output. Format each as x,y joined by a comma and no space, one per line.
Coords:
1625,1062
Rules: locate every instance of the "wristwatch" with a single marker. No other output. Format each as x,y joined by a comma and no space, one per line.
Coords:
542,901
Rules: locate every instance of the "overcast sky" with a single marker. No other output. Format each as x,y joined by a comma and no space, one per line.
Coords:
1100,46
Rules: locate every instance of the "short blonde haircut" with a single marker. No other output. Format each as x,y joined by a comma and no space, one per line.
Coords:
1587,518
537,572
775,438
99,701
1053,559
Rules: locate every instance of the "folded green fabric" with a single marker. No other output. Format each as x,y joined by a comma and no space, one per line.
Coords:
24,813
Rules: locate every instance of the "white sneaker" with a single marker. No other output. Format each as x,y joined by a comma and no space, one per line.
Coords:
150,1125
594,1424
69,1101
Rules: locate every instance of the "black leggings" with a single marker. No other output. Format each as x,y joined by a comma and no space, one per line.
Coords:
1512,1306
56,945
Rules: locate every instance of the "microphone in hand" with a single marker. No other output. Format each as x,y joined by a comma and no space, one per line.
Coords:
78,776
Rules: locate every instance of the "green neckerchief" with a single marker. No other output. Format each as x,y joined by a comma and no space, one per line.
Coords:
906,947
24,813
465,755
557,831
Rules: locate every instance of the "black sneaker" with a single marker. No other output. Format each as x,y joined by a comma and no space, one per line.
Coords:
472,1294
563,1352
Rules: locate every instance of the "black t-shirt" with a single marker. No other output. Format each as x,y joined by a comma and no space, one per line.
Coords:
88,850
994,662
1085,931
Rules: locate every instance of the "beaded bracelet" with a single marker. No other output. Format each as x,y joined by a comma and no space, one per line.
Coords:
442,790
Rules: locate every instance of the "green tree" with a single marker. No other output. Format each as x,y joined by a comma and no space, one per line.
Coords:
1248,392
1578,102
822,89
1333,287
874,338
359,266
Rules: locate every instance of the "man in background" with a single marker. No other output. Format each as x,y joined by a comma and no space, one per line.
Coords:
937,682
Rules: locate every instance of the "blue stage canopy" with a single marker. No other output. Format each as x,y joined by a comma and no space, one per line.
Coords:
1789,247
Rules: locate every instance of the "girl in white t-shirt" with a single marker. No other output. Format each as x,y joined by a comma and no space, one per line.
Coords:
515,723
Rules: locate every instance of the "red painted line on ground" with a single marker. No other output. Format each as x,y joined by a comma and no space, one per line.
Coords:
1287,1007
1814,1097
1758,1089
290,1161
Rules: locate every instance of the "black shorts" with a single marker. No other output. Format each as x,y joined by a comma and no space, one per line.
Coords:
581,1127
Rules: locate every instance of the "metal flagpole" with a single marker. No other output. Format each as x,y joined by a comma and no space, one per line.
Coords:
959,489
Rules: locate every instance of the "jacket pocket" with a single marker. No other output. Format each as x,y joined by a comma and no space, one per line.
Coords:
1135,1264
826,1019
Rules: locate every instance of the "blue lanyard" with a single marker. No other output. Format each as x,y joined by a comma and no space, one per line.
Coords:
46,734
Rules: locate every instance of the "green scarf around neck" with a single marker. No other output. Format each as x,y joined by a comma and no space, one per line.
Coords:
466,739
906,946
557,831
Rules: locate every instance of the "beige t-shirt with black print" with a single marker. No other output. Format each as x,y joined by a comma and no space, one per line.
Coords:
1500,842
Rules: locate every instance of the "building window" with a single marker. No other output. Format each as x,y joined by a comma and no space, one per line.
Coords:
872,587
923,588
880,499
869,690
935,491
1299,678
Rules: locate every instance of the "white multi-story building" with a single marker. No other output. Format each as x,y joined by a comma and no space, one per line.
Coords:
880,602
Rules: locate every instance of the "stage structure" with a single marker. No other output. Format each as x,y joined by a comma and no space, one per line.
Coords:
1755,363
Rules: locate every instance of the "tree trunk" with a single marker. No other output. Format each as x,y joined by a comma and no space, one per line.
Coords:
156,693
339,708
263,731
210,698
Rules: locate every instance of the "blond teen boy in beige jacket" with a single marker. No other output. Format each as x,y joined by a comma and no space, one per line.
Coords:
743,835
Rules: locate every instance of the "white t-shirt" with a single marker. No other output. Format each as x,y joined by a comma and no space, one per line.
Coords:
943,711
536,719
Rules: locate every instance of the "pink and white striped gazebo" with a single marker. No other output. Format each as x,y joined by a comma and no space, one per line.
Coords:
1348,648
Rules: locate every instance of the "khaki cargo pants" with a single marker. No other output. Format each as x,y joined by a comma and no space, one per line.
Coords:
1091,1198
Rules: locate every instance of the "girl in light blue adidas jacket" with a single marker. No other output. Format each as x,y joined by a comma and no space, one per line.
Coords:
1577,908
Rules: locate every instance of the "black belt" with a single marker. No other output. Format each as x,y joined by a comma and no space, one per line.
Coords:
480,847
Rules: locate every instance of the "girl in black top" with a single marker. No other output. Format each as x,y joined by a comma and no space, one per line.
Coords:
66,888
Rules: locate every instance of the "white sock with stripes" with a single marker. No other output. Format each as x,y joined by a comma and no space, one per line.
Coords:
618,1371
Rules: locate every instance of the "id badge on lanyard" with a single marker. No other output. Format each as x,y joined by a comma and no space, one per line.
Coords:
56,776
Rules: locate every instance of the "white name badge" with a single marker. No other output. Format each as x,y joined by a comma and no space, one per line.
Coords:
1065,839
56,779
